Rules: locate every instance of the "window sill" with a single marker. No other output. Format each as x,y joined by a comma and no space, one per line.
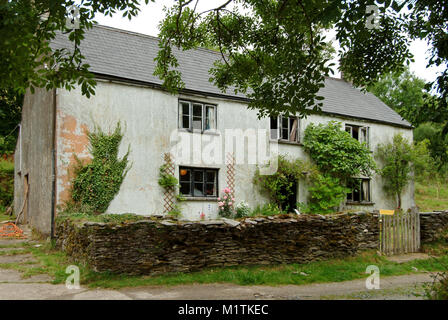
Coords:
359,203
287,142
213,132
200,198
214,199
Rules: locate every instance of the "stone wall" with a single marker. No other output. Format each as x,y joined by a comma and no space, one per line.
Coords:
433,226
159,246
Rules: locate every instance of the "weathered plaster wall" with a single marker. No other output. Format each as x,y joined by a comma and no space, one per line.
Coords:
152,247
33,157
150,119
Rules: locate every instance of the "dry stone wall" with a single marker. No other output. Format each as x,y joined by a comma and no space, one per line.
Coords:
161,246
433,226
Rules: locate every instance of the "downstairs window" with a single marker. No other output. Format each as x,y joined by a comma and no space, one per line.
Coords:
198,182
360,190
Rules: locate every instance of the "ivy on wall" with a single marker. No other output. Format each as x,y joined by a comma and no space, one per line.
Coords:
97,182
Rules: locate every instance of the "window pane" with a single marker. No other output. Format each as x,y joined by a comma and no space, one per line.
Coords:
210,189
211,176
185,188
185,174
184,115
355,132
285,131
198,190
293,125
198,175
274,128
197,116
365,190
210,122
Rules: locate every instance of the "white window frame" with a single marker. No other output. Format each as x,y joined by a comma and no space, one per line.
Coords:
360,129
190,116
280,127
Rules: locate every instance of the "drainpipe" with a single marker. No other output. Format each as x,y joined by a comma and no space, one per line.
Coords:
53,167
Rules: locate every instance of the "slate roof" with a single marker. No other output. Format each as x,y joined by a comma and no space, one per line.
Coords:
129,56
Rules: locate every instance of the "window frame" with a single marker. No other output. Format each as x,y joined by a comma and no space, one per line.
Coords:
361,193
280,129
204,106
204,182
360,129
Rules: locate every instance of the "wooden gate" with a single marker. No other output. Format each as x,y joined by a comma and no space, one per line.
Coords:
400,233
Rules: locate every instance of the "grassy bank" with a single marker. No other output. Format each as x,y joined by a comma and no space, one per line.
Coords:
54,263
429,197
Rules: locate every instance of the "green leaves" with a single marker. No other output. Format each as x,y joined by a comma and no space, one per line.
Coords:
335,152
276,56
280,186
397,158
28,26
97,182
325,194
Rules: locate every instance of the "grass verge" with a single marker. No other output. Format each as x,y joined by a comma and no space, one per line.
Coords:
54,263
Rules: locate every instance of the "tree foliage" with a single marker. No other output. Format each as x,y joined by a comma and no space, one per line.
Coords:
335,151
10,115
404,92
273,50
26,30
399,158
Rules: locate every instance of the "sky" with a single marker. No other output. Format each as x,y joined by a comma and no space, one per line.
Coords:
150,16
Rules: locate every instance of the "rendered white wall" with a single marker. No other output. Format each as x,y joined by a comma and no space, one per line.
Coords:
149,117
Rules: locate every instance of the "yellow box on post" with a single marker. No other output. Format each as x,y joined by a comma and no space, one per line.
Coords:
387,212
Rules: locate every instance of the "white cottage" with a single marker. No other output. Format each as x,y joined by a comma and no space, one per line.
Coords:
198,127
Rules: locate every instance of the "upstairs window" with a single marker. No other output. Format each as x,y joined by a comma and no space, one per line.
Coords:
284,128
195,116
358,132
360,190
198,182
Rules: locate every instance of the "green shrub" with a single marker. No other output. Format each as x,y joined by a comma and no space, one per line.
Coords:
269,209
280,186
325,194
96,183
6,184
438,290
242,210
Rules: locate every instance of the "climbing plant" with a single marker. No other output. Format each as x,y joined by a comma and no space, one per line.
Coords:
97,182
338,157
335,151
279,187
